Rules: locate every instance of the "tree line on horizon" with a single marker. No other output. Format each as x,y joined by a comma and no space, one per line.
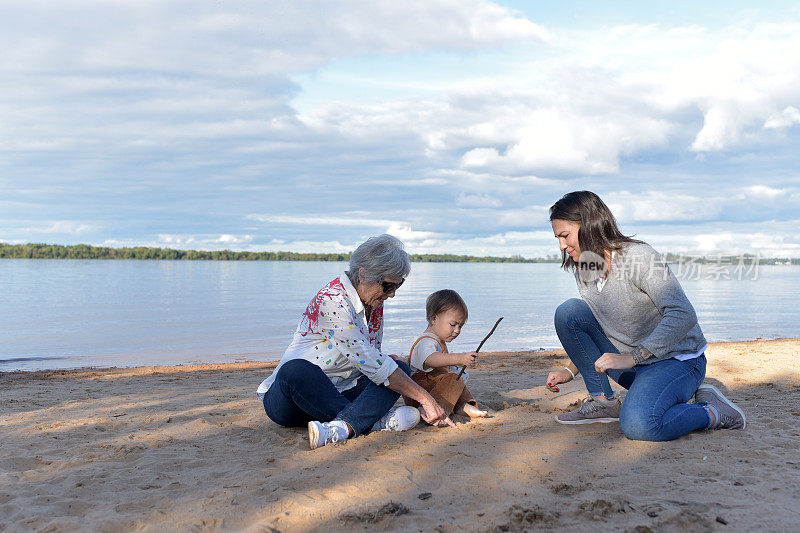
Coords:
85,251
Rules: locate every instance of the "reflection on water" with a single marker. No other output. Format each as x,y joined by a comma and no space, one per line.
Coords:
64,313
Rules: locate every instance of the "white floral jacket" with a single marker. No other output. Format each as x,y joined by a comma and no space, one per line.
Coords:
335,335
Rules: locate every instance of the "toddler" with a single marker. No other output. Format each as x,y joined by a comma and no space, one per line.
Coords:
433,367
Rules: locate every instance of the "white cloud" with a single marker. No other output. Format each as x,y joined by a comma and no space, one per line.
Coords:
406,234
304,246
258,39
742,84
785,119
602,95
166,77
722,126
482,180
311,220
566,140
713,242
401,230
64,227
534,215
763,192
136,123
661,206
732,204
767,245
234,239
202,241
523,243
477,200
127,243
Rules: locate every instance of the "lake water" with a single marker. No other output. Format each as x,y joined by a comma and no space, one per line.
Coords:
72,313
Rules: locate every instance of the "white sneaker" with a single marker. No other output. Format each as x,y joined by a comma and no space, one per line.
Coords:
322,433
399,419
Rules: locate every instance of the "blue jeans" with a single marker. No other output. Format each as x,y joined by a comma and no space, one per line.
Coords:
655,407
302,392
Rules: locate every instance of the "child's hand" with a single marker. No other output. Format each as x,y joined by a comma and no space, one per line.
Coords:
468,358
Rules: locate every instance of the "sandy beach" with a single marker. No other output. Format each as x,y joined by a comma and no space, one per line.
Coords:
189,448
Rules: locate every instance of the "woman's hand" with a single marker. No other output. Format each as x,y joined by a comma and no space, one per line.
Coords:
614,361
559,376
467,358
432,412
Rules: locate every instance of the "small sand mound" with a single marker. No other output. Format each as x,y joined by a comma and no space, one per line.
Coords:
521,518
391,509
600,509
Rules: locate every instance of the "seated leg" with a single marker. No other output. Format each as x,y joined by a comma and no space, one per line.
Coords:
300,393
368,403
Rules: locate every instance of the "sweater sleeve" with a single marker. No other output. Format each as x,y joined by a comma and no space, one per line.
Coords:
653,276
343,331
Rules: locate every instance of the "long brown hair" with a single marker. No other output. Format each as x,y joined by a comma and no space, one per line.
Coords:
598,228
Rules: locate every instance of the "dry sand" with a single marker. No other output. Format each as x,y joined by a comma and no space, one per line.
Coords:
189,448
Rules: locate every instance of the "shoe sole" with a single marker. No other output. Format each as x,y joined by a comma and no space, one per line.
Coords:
587,421
724,398
313,435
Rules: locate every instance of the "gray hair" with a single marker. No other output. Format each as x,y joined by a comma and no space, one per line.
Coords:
379,256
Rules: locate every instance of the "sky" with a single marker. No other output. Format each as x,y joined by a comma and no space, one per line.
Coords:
311,125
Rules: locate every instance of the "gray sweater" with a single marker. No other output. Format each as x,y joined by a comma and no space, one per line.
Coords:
642,304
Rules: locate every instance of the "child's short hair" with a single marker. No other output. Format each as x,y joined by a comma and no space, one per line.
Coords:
443,300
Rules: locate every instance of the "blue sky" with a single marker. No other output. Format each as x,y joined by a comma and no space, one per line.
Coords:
309,126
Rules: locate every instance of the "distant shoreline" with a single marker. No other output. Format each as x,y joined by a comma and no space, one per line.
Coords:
143,253
85,251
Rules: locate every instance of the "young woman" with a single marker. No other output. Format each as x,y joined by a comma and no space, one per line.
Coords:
633,323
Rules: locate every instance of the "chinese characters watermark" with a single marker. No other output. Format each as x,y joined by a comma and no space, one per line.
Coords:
592,267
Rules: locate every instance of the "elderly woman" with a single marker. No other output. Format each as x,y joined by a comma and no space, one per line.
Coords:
634,324
333,377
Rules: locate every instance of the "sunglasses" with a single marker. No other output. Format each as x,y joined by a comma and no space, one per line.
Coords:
389,286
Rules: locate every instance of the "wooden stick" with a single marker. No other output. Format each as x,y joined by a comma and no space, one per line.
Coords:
481,345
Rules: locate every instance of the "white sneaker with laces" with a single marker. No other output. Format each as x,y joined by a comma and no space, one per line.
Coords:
398,419
322,433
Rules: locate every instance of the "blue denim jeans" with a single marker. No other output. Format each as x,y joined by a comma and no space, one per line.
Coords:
655,407
302,392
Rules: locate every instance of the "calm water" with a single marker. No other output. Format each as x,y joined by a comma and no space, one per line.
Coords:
66,313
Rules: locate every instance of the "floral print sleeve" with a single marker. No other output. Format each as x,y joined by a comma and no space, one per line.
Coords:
347,334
